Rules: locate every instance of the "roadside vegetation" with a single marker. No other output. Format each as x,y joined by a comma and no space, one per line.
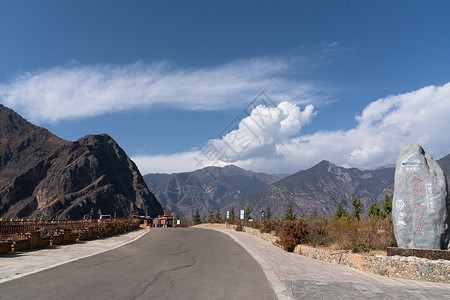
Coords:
355,230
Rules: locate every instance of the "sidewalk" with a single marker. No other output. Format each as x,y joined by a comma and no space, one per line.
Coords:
299,277
20,264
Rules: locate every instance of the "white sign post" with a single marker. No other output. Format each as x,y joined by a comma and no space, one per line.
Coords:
228,214
242,214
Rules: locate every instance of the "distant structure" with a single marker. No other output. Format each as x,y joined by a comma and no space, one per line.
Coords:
420,207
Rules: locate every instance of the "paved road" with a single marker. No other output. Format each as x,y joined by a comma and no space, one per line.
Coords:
164,264
307,278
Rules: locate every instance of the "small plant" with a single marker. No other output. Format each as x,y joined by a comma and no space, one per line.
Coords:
294,233
317,233
272,225
238,227
289,214
197,218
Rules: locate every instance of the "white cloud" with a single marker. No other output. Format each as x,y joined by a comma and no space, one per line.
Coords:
175,163
257,135
79,91
384,127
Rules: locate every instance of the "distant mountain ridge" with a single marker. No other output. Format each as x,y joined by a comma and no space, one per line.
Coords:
207,188
318,188
42,175
321,188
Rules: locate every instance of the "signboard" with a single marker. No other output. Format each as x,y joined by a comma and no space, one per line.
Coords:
178,222
242,214
228,214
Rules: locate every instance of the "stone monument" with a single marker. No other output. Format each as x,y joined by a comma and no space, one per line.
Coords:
419,207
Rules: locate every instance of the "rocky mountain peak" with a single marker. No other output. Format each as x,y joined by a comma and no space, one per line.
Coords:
43,175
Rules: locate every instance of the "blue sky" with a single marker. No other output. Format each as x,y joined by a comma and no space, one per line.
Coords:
347,81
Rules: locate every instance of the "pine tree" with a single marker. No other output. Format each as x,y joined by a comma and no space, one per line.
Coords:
268,212
197,218
232,214
387,206
210,215
357,207
218,215
289,214
247,213
313,216
374,211
340,211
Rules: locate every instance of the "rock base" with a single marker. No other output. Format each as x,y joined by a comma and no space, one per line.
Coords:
423,253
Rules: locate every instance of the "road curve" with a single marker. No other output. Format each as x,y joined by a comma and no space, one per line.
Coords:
170,263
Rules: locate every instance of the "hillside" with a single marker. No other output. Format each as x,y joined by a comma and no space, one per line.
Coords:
42,175
320,188
207,188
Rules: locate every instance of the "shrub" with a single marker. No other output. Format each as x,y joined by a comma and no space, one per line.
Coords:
215,220
363,235
317,233
255,224
294,233
238,227
271,225
343,233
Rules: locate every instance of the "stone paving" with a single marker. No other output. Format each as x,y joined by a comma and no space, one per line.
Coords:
15,265
307,278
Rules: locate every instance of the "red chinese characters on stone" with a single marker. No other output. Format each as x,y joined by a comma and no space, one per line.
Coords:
417,205
416,181
416,192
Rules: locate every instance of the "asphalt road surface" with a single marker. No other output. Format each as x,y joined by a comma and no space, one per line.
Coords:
172,263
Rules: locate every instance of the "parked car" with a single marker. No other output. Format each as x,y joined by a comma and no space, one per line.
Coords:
104,219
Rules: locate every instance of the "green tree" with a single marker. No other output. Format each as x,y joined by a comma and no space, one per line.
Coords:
374,211
314,216
197,218
268,212
387,206
357,207
218,215
232,214
340,211
247,212
289,214
210,215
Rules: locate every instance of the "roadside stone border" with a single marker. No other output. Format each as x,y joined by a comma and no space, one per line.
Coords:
392,266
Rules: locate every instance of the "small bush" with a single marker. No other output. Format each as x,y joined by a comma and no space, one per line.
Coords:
271,225
238,227
294,233
216,220
317,233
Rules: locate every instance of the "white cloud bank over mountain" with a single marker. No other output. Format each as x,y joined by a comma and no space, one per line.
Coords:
384,127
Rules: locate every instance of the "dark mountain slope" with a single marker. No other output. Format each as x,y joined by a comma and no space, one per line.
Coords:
43,175
207,188
320,188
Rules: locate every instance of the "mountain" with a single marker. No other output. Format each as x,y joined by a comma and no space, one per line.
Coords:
444,163
320,188
43,175
207,188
